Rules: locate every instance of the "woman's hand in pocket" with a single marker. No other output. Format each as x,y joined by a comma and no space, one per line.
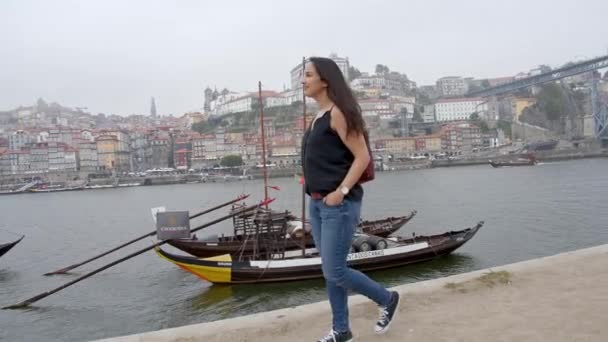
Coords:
333,199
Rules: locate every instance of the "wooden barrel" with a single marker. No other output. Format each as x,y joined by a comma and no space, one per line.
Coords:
362,244
377,242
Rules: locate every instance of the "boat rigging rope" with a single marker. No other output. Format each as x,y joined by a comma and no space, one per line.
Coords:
265,268
243,247
428,241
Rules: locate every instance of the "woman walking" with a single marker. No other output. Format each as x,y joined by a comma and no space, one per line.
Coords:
334,156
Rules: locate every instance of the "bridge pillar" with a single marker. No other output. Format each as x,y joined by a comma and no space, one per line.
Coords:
600,115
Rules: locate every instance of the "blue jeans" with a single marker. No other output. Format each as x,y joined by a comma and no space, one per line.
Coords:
332,229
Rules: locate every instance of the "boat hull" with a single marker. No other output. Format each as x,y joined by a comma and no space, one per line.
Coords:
224,270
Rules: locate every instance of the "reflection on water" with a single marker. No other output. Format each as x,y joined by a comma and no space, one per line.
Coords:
445,266
5,275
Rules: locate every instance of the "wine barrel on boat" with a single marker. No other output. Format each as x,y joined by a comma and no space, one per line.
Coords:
377,242
361,244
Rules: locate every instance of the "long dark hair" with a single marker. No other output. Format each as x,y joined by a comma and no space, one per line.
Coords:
340,94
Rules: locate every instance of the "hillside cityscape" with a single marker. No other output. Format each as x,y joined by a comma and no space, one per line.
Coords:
407,121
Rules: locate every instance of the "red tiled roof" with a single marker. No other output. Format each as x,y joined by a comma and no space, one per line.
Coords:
107,137
373,100
460,99
409,138
22,151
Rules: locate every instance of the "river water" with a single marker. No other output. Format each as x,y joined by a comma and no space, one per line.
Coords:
529,212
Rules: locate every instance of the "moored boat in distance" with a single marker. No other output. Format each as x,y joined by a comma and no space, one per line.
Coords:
529,161
57,187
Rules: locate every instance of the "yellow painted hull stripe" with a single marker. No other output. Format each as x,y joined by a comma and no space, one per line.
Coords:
208,273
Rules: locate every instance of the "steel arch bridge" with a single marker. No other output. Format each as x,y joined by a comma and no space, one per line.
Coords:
600,110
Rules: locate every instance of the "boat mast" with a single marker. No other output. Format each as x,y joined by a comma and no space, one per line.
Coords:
263,142
302,164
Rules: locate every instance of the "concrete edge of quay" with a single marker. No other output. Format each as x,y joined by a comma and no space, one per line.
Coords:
301,313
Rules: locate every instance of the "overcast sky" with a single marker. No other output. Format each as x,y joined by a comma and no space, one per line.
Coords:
113,56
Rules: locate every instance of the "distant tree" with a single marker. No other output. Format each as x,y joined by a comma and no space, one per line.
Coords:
544,68
417,116
255,106
353,73
237,129
359,94
231,160
379,69
382,69
423,98
550,101
205,126
523,92
394,75
483,127
505,127
485,84
568,64
476,120
474,87
199,126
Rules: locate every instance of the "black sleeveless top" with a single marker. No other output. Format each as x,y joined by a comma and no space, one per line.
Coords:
326,160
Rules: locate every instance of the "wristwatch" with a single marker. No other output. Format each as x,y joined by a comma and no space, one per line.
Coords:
344,190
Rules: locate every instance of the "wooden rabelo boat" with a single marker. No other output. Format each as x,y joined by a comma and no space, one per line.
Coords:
4,248
238,243
271,261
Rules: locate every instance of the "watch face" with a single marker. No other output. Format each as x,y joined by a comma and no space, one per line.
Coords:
344,190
